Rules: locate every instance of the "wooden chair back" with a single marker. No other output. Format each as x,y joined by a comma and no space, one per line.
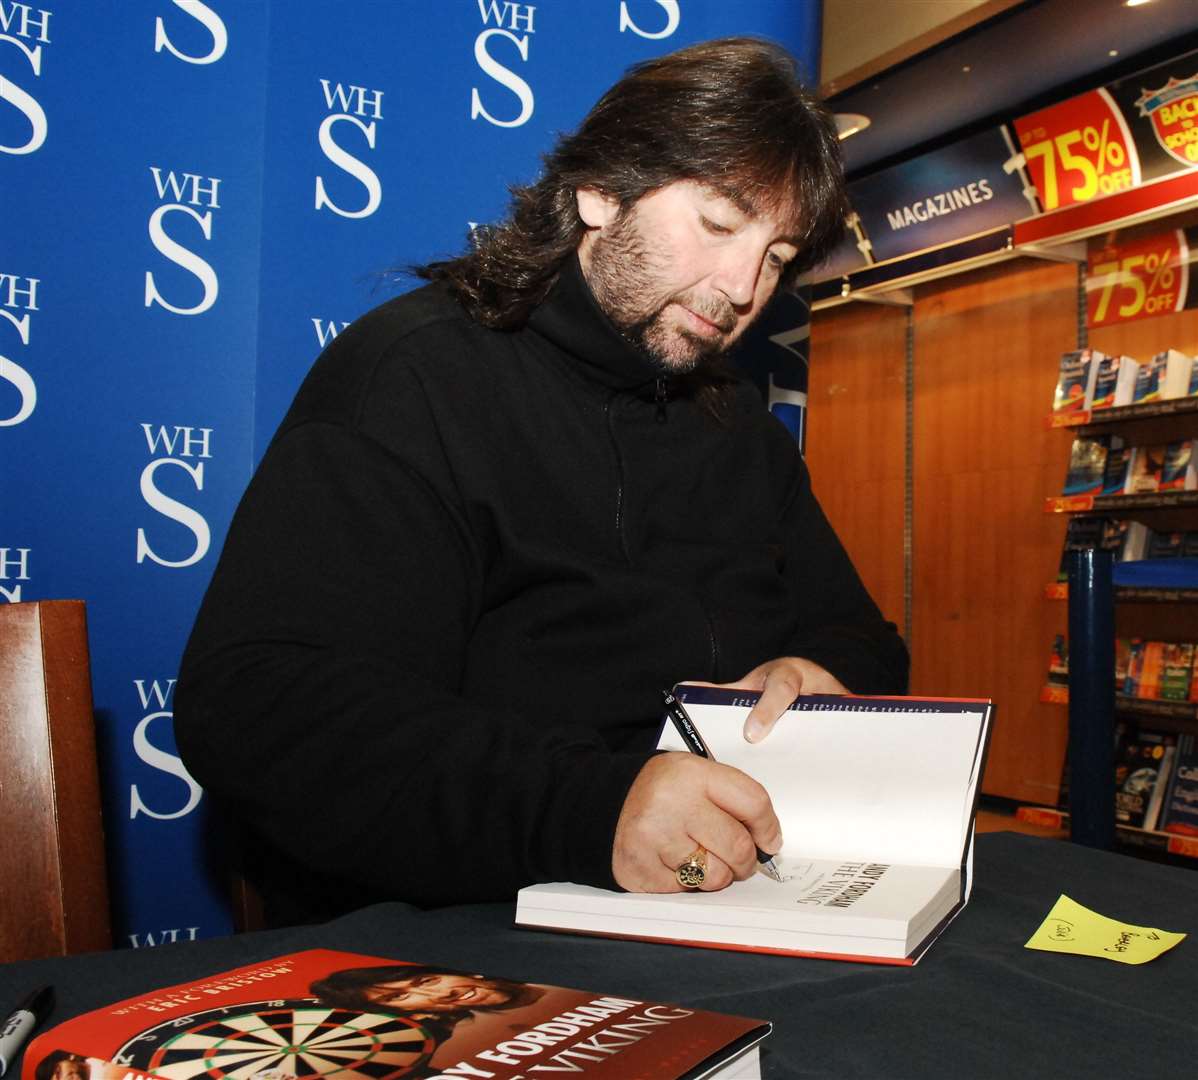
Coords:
53,883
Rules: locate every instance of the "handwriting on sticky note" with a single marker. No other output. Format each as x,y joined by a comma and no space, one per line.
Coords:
1071,928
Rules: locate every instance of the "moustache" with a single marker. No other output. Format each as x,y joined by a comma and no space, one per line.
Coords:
721,315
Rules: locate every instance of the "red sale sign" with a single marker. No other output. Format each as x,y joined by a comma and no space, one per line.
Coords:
1136,280
1079,150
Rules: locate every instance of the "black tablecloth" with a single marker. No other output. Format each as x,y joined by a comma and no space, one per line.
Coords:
978,1005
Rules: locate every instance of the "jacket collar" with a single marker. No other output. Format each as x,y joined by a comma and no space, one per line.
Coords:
572,319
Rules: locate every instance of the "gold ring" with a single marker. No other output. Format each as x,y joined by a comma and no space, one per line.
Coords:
693,870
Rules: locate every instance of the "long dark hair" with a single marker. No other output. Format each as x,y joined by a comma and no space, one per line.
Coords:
730,114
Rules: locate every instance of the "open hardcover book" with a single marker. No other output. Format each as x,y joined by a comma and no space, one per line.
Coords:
876,797
325,1015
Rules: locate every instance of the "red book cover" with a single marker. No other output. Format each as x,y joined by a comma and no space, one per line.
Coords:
326,1015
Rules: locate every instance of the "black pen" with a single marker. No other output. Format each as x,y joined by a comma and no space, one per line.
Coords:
696,745
19,1024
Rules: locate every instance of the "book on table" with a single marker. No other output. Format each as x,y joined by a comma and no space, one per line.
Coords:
876,797
328,1015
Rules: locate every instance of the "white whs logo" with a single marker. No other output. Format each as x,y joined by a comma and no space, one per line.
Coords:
673,18
17,294
14,567
327,329
211,22
27,29
188,191
361,108
183,450
514,23
156,757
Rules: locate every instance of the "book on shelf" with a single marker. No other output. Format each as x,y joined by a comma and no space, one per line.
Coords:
1125,540
1179,813
1117,467
1144,471
876,797
1178,370
1114,382
1087,462
1167,375
1177,669
1178,467
1189,544
1142,766
1164,545
1122,656
1145,660
1076,377
328,1015
1058,661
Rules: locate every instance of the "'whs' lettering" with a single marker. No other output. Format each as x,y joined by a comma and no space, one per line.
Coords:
326,330
513,23
14,566
157,758
208,19
352,104
19,294
187,190
24,21
20,24
181,443
673,18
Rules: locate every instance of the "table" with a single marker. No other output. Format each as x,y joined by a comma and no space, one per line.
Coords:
978,1005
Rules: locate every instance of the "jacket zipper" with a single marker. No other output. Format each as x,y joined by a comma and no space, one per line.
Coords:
611,434
715,652
661,395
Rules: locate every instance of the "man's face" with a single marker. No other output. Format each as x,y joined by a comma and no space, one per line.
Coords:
685,272
72,1068
436,992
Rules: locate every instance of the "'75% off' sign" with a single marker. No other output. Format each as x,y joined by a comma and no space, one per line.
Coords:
1137,280
1078,150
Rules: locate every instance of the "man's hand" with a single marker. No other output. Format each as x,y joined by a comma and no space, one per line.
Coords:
780,682
679,802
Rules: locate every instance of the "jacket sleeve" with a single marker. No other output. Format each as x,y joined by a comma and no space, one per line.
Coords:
840,626
319,696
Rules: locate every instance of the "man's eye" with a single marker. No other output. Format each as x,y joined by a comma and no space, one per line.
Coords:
778,260
714,226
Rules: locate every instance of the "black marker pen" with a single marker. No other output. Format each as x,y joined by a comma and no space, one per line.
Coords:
696,745
19,1024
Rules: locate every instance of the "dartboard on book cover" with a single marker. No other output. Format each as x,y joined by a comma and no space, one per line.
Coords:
295,1039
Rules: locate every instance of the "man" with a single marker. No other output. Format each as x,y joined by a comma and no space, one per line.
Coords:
505,510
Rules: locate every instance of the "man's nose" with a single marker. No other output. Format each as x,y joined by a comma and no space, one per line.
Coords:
737,274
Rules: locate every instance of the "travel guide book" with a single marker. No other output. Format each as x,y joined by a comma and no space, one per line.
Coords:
326,1015
876,797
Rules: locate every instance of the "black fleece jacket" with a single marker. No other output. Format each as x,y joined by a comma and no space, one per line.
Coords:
428,665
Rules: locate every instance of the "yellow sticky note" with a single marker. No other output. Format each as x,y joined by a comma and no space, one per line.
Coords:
1071,928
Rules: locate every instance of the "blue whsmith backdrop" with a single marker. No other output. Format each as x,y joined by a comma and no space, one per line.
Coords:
197,196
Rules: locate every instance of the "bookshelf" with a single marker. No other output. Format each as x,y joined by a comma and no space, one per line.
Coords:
1160,612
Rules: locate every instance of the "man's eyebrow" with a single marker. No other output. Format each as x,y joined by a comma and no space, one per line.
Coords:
751,210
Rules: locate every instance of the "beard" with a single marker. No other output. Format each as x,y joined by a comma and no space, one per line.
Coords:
626,276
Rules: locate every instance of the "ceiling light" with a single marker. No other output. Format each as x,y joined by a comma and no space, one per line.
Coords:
1134,3
849,124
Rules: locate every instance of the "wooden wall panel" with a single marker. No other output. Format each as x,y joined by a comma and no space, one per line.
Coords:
855,439
987,347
